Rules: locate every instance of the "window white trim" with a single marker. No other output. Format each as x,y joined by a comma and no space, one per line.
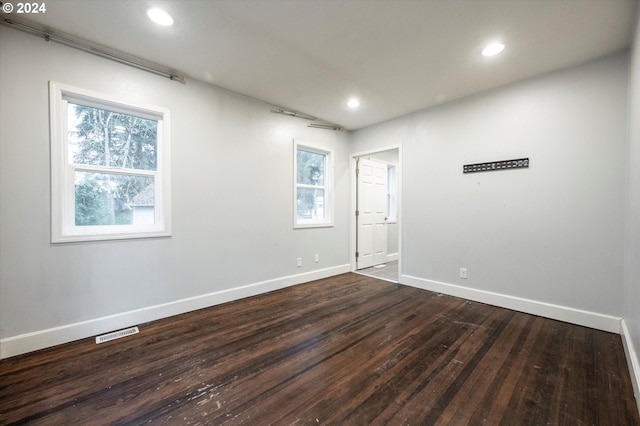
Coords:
63,227
328,186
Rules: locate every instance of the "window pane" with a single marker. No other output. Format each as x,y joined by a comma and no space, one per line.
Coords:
310,204
109,199
310,168
105,138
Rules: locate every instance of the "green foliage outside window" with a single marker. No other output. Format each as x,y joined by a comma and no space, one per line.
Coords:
310,171
99,137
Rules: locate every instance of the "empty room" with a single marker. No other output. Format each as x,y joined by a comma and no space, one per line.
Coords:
320,212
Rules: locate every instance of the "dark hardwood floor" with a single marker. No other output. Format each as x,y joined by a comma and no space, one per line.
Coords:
349,350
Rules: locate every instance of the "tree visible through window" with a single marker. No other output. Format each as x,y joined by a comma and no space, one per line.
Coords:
312,186
115,140
110,177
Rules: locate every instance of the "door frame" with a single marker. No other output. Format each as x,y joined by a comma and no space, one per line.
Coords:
352,207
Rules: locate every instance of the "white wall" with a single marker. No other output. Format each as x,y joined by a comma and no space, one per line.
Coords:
548,239
232,205
631,324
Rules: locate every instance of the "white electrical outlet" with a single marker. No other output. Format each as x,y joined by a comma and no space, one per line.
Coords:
463,273
317,258
299,262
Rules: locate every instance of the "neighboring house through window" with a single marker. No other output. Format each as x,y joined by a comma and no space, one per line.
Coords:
110,167
313,186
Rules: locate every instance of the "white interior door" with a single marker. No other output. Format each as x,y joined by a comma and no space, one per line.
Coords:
371,218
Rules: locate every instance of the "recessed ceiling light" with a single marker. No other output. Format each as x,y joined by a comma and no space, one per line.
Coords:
353,103
493,49
160,17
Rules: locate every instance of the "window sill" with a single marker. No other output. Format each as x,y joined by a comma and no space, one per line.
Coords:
312,225
78,238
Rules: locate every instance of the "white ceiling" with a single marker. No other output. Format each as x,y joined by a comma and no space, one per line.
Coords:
396,56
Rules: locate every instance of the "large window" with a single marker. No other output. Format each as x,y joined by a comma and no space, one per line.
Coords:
313,173
110,167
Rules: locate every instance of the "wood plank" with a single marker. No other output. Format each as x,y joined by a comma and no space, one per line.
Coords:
345,350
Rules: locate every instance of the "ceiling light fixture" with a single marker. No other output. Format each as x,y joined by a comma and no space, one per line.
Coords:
353,103
493,49
160,17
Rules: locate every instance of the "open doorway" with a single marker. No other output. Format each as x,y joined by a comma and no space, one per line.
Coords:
376,220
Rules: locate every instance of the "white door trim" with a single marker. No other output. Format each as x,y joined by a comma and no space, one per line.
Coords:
352,207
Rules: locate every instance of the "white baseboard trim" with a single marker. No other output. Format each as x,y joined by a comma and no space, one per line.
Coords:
29,342
562,313
392,256
632,361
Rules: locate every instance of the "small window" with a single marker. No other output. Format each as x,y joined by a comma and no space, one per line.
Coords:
313,186
110,167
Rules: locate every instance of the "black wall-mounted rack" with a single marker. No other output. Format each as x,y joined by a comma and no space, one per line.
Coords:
520,163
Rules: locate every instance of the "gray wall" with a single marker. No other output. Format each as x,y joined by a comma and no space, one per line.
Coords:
632,241
232,196
552,233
